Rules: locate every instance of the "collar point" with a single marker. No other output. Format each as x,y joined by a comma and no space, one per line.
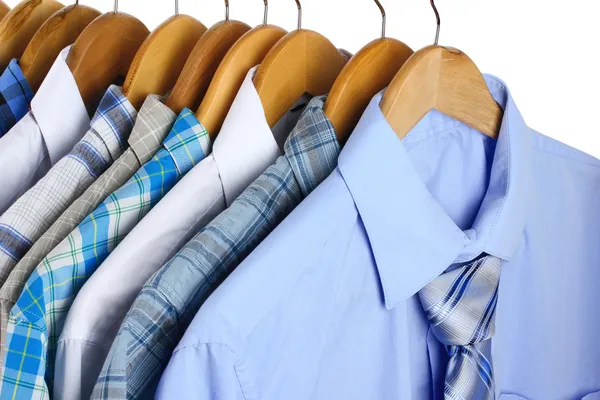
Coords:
390,304
392,298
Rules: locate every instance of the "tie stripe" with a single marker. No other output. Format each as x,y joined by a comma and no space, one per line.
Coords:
460,306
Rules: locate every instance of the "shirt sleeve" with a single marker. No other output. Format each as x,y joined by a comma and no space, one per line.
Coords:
202,372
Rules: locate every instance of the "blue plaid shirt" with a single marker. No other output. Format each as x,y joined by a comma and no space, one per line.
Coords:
15,95
37,318
171,298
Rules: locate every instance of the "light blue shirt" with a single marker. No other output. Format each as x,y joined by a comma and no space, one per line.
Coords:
326,307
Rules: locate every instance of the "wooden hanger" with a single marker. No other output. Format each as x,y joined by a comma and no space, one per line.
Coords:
4,9
444,79
365,75
247,52
59,31
161,58
301,62
20,24
203,63
103,52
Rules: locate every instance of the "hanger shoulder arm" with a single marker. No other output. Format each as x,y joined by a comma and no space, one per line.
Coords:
103,52
464,94
367,73
202,64
160,59
247,52
4,9
301,62
20,24
59,31
445,80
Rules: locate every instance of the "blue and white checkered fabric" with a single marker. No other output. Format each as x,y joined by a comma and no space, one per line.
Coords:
460,306
15,95
37,319
157,321
33,213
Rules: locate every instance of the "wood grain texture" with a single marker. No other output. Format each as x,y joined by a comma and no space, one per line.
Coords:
103,53
59,31
444,79
366,74
4,9
158,63
301,62
20,24
246,53
203,63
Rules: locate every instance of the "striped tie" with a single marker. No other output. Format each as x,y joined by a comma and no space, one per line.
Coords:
460,306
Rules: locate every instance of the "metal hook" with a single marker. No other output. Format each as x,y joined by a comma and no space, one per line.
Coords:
176,7
116,6
226,10
76,3
299,14
383,18
266,12
437,17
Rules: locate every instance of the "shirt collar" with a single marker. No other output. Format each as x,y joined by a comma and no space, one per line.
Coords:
114,120
246,146
153,123
413,240
59,109
312,148
15,95
188,142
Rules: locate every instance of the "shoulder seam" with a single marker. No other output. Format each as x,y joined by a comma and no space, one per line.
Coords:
567,157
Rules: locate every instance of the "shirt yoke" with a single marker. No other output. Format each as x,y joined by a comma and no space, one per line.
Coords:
547,145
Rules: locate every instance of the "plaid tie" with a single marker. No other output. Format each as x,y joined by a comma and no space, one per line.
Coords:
460,306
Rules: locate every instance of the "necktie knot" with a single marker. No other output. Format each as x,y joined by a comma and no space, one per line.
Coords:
460,306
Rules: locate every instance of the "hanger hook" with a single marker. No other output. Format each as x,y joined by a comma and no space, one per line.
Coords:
437,17
226,10
299,14
265,18
176,7
76,2
116,6
383,18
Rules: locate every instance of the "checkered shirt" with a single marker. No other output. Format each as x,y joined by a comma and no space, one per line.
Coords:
15,95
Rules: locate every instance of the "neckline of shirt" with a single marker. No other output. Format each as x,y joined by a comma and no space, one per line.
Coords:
114,120
312,148
153,119
380,175
246,146
59,109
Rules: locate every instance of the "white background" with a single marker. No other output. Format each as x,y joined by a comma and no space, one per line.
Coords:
546,50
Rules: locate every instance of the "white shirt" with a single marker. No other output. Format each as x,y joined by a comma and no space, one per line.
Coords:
243,150
57,121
